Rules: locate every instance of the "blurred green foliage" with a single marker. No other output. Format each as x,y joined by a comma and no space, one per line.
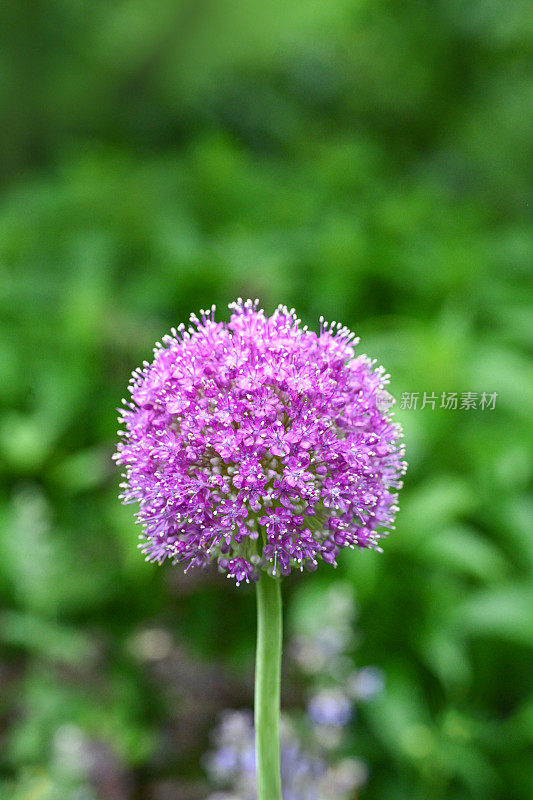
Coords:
369,161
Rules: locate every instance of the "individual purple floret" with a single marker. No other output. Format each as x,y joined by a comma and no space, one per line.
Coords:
259,444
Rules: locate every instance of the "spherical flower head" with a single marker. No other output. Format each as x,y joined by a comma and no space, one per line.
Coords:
260,445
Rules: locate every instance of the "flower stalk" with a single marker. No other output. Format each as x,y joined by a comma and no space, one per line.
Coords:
267,687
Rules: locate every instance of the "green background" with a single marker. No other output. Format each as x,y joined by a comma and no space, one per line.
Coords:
369,161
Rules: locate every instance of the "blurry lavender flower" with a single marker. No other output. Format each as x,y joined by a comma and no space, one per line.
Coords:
258,444
365,683
311,762
330,707
321,649
304,775
329,711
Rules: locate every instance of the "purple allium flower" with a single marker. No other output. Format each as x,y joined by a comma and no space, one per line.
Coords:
259,444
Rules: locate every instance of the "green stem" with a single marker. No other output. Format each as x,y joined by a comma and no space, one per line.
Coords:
267,687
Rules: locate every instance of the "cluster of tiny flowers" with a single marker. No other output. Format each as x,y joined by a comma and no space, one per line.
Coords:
259,444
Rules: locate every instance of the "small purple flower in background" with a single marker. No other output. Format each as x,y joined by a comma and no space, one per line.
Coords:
330,707
305,775
259,445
